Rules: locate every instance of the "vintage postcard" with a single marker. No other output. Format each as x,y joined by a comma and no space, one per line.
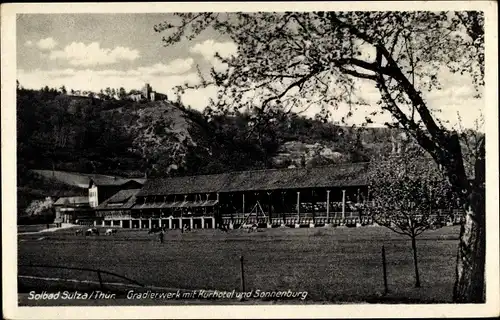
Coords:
250,160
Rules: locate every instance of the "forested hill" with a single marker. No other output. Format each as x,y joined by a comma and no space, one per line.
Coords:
63,132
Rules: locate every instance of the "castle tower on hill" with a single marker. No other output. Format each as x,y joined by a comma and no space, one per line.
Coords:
146,91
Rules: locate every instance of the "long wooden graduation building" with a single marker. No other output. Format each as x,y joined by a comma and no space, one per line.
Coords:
298,197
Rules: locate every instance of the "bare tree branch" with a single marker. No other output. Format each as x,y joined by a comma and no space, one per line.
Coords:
358,74
291,86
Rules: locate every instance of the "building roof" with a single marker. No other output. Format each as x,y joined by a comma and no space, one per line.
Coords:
72,200
353,174
114,181
82,180
123,199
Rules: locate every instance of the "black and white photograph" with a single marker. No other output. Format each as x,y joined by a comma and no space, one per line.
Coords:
261,156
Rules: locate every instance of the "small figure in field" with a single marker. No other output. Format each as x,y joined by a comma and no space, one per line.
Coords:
92,231
161,236
111,231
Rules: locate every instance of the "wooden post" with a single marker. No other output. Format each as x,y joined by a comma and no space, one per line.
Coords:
242,275
100,279
283,209
358,197
384,270
181,224
298,204
219,218
257,206
343,204
327,206
314,208
270,209
243,207
232,213
216,215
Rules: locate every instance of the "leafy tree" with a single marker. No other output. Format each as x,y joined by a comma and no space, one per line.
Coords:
63,89
297,58
108,92
406,190
122,94
38,207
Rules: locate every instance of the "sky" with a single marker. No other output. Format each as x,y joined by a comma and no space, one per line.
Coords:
95,51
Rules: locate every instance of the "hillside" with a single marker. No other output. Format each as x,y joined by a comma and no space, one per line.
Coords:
161,138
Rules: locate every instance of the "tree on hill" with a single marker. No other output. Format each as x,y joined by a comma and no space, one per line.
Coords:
108,92
295,58
406,190
122,94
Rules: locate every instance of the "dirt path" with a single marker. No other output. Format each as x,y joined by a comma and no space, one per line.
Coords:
48,230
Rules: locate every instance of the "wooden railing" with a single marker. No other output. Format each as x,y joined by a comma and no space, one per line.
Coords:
98,273
291,219
334,218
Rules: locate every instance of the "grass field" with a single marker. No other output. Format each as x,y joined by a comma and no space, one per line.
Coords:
334,265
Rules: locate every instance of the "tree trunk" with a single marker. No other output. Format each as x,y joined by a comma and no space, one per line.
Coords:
414,247
470,282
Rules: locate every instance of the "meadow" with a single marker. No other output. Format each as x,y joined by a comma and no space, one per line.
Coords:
334,265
